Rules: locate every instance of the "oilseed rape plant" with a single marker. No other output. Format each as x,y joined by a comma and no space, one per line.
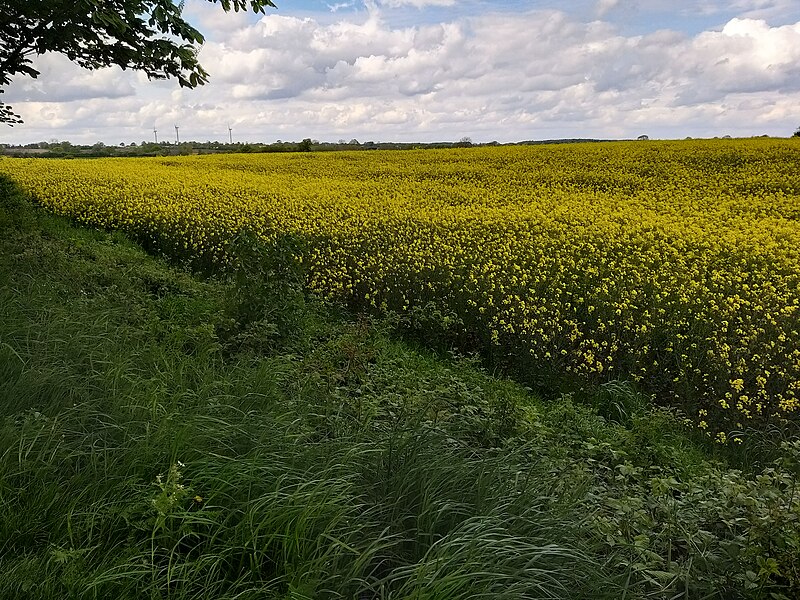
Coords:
673,264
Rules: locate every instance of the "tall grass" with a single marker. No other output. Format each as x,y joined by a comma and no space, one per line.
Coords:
140,457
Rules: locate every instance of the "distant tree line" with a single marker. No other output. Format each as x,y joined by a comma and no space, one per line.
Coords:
62,149
65,149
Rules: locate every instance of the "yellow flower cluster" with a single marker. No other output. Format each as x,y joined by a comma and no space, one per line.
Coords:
676,264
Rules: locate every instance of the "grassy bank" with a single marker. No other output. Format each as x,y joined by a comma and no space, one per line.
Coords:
165,436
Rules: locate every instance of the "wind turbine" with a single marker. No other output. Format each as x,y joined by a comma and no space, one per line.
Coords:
177,136
230,133
155,133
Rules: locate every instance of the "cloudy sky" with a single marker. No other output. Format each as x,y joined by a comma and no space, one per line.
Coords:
427,70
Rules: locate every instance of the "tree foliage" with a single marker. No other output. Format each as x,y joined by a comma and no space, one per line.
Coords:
151,36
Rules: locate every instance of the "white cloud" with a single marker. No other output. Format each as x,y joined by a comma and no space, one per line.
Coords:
336,7
499,76
747,56
603,7
61,81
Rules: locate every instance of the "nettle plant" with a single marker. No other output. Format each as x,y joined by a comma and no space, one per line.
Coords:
723,532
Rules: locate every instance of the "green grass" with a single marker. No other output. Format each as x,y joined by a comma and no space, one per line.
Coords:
167,436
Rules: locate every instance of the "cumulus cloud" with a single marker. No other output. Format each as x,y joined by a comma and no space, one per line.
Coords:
603,7
536,74
61,81
747,56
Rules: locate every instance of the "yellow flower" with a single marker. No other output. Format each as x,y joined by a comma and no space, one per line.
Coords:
560,253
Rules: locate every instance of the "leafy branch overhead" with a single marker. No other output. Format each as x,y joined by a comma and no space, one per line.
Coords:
151,36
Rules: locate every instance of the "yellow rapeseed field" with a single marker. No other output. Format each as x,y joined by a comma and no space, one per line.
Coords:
675,264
